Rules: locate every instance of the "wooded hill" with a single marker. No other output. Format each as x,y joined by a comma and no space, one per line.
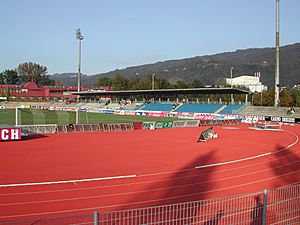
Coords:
210,69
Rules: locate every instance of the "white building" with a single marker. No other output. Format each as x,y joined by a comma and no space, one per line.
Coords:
251,82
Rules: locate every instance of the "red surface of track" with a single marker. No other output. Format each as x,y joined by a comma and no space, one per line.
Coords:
162,163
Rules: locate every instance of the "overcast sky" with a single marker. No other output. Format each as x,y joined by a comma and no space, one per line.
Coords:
123,33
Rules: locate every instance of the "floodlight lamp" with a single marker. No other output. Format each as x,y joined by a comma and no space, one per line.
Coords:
79,35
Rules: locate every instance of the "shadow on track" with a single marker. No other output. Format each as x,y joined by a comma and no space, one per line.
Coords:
285,167
32,137
285,198
179,188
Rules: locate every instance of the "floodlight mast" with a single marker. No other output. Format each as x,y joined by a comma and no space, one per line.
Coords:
79,37
277,100
231,96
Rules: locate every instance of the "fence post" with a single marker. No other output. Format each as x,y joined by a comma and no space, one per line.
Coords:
16,116
96,218
264,216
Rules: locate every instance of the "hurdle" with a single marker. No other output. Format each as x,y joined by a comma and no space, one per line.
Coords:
206,135
266,125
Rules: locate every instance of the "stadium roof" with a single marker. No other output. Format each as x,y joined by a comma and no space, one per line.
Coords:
160,92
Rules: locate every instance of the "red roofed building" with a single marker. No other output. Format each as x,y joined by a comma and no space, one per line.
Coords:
31,90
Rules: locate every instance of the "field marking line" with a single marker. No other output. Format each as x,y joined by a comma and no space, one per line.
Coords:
152,200
68,181
253,157
150,190
233,161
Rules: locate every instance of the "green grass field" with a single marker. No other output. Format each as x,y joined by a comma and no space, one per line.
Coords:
30,117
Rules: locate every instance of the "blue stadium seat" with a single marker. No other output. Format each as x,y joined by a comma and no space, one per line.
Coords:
199,108
157,107
232,109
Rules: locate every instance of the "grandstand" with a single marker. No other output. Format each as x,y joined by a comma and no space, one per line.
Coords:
199,108
231,109
196,108
239,109
157,107
270,111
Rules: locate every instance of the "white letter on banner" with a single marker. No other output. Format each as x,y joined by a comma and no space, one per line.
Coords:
14,134
4,134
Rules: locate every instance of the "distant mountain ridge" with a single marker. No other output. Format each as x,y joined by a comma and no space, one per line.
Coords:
210,68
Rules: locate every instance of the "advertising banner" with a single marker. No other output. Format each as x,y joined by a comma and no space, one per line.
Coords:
167,124
7,134
129,113
204,117
281,119
288,120
155,114
141,113
149,125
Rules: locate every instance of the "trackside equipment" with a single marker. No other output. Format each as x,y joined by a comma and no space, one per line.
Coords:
206,135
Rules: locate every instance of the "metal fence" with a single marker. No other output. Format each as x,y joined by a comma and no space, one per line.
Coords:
105,127
38,129
113,127
276,206
82,219
186,123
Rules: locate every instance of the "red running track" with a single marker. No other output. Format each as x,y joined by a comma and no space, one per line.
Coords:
156,167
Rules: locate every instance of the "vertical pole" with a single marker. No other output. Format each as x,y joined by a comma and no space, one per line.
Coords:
79,72
153,75
231,96
87,117
79,37
276,100
16,116
264,216
77,115
96,218
261,97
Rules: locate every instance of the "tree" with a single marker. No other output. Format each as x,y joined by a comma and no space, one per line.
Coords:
104,81
46,81
181,85
196,84
268,97
2,79
33,72
119,83
9,77
286,99
162,83
135,83
295,92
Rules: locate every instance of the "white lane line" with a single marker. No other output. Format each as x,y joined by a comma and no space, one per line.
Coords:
253,157
233,161
67,181
141,175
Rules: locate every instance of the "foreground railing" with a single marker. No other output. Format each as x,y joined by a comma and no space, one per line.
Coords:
113,127
274,206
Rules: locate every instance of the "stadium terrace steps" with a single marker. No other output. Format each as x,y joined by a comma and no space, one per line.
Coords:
268,111
220,109
199,108
158,107
231,109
